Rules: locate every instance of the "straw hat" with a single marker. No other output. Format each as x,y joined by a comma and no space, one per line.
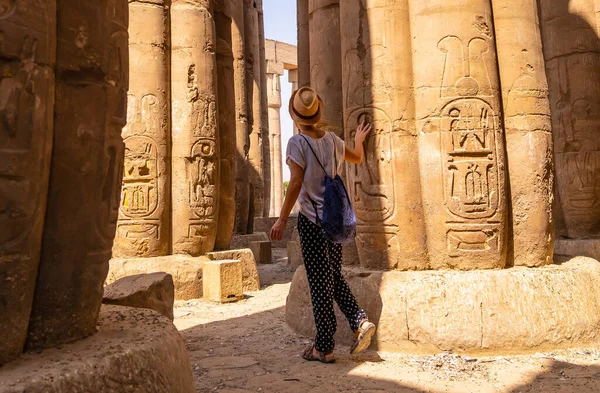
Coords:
306,106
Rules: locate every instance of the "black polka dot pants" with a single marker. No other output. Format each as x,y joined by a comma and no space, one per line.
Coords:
323,263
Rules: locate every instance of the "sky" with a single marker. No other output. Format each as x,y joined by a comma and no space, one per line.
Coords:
280,25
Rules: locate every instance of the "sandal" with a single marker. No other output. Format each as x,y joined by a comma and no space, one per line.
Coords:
310,356
363,336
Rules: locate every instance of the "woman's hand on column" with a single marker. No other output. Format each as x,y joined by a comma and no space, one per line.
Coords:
362,131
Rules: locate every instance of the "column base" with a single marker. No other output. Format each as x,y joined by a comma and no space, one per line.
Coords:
494,311
134,350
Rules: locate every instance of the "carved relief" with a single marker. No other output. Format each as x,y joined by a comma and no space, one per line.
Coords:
17,99
373,180
7,7
201,177
471,174
139,196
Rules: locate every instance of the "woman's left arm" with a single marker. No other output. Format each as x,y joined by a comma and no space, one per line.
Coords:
293,190
355,155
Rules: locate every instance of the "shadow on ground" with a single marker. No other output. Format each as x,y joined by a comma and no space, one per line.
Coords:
247,347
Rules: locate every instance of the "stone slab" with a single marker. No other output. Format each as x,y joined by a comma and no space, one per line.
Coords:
250,278
262,252
185,270
266,223
573,247
495,311
135,350
243,241
154,291
294,254
223,281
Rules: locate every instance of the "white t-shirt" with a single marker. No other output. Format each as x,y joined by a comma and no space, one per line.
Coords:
313,186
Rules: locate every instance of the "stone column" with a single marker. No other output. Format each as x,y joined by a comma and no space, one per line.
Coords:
144,217
195,129
461,142
27,48
243,128
253,83
264,112
385,188
572,55
326,61
227,125
274,92
528,131
293,79
87,164
303,43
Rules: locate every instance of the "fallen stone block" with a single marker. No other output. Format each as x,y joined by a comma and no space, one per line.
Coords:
223,281
250,278
154,291
262,252
243,241
185,270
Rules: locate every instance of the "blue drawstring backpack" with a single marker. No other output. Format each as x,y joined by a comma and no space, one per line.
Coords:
339,221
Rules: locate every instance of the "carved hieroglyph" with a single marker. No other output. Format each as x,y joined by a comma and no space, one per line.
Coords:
87,163
144,216
253,90
385,188
27,37
571,32
195,152
227,124
325,61
242,186
461,143
528,131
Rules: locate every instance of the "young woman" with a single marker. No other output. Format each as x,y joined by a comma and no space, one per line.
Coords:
322,258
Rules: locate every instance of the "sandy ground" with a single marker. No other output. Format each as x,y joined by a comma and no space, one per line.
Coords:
247,347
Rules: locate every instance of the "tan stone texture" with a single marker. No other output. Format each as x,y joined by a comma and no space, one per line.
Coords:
303,43
326,61
264,112
243,241
461,138
186,272
243,128
144,216
223,281
135,350
250,278
227,124
385,188
528,131
274,93
253,91
154,291
570,248
510,310
570,33
87,164
195,137
262,252
27,49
